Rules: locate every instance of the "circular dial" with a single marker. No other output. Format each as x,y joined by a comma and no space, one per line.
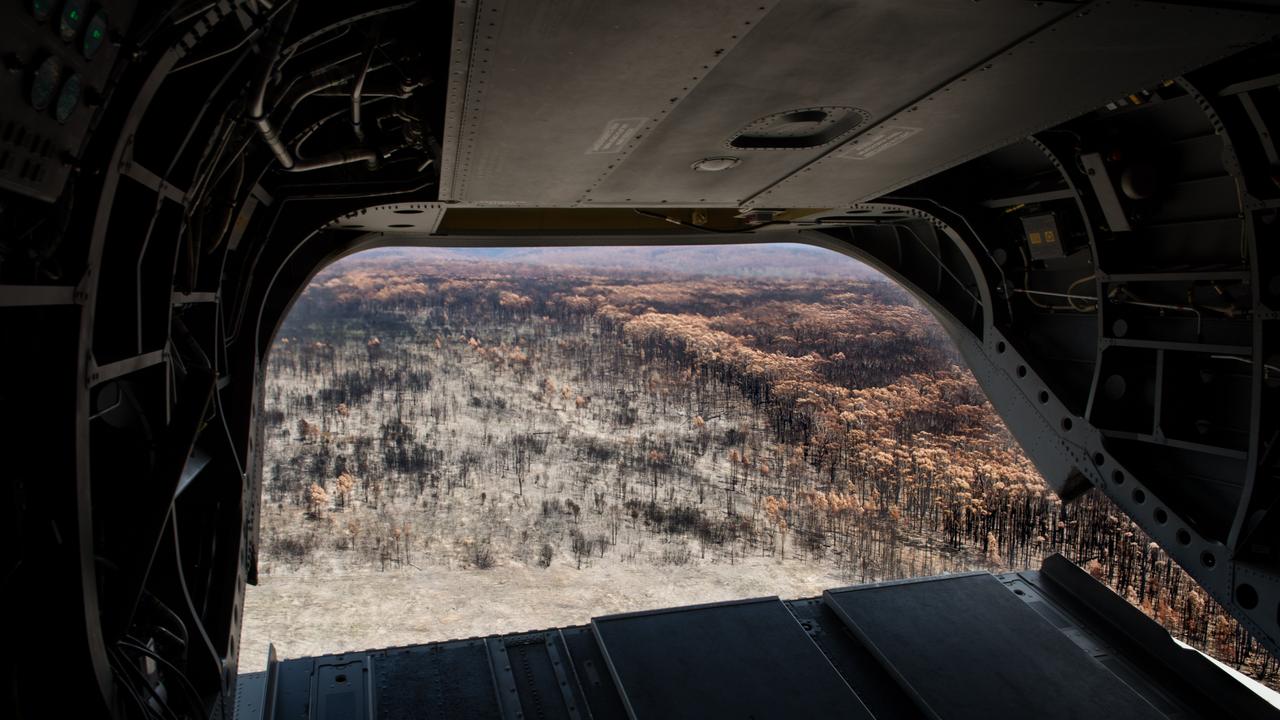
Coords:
68,98
41,9
44,82
95,34
72,19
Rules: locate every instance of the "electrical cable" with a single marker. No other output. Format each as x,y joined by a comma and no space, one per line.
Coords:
215,56
303,51
146,709
307,132
223,53
151,690
194,13
1123,295
938,260
1265,367
191,606
177,155
1048,293
1031,294
132,644
1072,300
976,237
184,638
293,48
1244,233
220,332
357,88
170,636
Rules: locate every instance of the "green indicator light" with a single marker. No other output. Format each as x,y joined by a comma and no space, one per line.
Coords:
72,14
95,33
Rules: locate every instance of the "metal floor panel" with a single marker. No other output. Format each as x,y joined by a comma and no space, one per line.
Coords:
741,659
967,647
869,679
249,693
591,673
1027,644
448,680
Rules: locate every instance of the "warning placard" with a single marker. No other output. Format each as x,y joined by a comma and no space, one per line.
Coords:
875,141
617,133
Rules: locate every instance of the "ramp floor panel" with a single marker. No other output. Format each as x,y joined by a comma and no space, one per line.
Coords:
591,674
966,647
743,659
862,670
452,679
1046,644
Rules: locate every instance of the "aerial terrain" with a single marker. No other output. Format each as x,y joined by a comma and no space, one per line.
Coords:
466,442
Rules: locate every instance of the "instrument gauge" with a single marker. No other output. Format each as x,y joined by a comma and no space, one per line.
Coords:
44,82
68,98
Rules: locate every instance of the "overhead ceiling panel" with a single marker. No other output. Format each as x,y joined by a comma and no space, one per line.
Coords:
872,57
547,97
568,103
1100,52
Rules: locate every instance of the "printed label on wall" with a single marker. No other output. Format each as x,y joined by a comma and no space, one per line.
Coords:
617,133
875,141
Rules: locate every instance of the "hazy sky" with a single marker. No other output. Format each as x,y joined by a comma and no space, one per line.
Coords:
755,260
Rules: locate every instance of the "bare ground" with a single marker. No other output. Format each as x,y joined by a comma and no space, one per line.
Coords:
305,615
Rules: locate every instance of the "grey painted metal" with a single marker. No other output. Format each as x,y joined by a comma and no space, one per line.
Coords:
1118,648
98,374
249,688
271,687
196,464
135,171
1125,640
1105,191
1186,493
453,679
966,647
558,94
591,674
1096,53
342,688
397,219
36,295
504,682
559,665
736,659
256,692
765,71
1196,470
189,298
1066,449
866,676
